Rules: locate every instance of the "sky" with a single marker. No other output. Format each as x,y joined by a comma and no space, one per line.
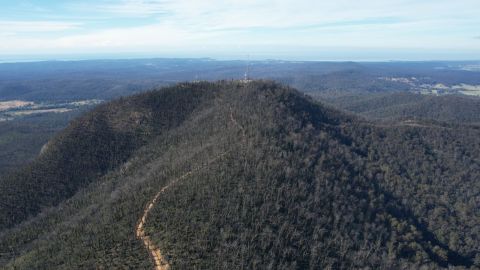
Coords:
234,29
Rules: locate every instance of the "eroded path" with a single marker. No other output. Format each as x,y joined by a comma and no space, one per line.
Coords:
154,251
158,259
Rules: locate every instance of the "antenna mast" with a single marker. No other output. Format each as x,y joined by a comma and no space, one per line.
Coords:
247,71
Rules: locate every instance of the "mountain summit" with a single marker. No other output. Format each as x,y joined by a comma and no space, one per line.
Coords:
243,175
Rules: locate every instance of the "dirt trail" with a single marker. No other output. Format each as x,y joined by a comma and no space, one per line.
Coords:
159,260
154,251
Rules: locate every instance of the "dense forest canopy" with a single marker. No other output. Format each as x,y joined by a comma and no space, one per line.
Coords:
278,181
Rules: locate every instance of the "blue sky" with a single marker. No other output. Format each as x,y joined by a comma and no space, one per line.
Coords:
286,29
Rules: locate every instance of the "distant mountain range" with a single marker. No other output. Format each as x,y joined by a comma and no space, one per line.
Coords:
106,79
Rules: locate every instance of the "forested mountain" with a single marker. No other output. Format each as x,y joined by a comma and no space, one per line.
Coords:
259,176
382,90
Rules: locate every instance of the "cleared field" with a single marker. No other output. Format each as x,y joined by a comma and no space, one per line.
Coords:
14,104
29,112
470,90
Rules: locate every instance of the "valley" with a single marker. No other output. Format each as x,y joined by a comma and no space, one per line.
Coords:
437,89
11,110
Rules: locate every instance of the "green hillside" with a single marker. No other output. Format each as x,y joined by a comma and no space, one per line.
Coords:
259,176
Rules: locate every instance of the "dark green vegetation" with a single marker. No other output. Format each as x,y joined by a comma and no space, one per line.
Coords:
21,140
400,106
307,187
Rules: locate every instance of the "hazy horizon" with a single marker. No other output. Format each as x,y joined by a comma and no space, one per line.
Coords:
99,57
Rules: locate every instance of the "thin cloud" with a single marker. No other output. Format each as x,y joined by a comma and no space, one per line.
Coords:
37,26
380,21
127,8
157,25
